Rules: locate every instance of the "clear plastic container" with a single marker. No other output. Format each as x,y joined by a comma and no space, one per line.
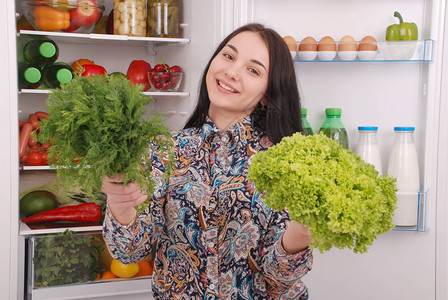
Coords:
368,148
163,18
130,17
334,128
307,130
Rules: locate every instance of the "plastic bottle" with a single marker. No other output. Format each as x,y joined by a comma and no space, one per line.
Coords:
57,73
307,130
333,127
368,148
403,165
30,76
41,51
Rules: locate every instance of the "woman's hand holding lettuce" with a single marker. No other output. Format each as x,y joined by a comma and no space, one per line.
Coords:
342,199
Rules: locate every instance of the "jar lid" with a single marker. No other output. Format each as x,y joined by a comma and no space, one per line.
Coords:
404,128
367,128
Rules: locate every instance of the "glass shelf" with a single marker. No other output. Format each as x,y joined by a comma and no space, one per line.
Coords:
105,39
155,94
421,215
400,51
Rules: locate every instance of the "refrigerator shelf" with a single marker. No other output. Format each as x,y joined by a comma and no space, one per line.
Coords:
105,39
400,51
25,230
421,215
155,94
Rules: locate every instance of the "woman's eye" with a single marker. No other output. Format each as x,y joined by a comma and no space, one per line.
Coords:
252,70
228,56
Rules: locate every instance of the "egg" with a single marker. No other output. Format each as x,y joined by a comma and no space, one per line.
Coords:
290,42
368,43
308,44
326,43
347,43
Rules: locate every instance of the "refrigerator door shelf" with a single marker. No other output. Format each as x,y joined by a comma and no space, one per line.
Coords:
421,215
400,51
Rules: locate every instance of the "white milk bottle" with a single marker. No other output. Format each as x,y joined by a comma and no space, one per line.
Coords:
368,148
403,165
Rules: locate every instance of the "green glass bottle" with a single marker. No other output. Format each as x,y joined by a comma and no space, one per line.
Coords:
333,127
41,51
57,73
30,76
307,130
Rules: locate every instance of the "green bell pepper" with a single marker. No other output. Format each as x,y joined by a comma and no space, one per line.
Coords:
401,32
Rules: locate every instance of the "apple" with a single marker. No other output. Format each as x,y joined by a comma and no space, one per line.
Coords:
86,13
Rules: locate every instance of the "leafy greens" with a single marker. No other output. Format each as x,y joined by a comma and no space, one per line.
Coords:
343,200
100,126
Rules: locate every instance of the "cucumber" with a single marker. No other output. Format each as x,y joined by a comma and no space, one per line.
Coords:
37,201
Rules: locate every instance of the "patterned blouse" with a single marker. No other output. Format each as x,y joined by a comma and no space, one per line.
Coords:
214,237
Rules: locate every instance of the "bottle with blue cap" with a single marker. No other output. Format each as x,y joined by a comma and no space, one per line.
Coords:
403,165
333,126
368,148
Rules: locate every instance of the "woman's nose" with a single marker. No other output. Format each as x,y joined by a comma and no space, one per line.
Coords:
233,72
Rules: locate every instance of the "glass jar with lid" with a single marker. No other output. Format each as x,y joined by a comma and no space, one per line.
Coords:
163,18
130,17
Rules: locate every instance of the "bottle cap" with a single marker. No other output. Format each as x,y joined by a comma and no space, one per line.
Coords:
404,128
64,75
367,128
47,49
32,75
333,111
303,112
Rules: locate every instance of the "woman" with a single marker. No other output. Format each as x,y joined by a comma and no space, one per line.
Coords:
213,235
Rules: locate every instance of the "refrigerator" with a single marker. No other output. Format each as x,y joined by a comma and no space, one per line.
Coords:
405,263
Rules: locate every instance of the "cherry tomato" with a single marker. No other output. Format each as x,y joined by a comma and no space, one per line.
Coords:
174,79
155,78
166,86
161,68
44,157
165,77
175,69
34,158
157,85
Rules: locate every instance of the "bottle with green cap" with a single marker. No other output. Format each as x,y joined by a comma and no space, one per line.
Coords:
57,73
333,126
30,76
307,130
41,51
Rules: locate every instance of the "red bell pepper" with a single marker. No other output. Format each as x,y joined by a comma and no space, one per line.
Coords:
138,73
93,70
85,213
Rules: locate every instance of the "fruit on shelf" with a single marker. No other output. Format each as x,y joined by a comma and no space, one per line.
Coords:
86,13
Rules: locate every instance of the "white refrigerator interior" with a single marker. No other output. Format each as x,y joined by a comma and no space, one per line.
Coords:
401,264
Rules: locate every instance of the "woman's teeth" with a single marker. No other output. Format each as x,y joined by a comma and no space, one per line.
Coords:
227,87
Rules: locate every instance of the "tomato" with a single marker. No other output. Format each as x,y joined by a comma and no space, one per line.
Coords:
175,69
44,157
78,65
165,77
34,158
93,70
161,68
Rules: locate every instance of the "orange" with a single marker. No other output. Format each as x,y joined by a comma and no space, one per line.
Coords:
77,65
145,268
124,271
106,275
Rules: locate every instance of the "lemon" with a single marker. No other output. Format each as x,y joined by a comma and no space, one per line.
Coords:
124,271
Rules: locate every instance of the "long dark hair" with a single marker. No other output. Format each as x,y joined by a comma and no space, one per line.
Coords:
280,116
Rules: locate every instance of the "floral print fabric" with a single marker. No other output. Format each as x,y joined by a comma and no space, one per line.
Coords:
214,237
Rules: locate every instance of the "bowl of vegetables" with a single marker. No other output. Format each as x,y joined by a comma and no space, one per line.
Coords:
63,15
165,78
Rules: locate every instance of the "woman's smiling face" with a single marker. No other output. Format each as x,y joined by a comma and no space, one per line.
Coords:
237,78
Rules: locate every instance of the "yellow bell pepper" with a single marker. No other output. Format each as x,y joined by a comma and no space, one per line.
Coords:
49,19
